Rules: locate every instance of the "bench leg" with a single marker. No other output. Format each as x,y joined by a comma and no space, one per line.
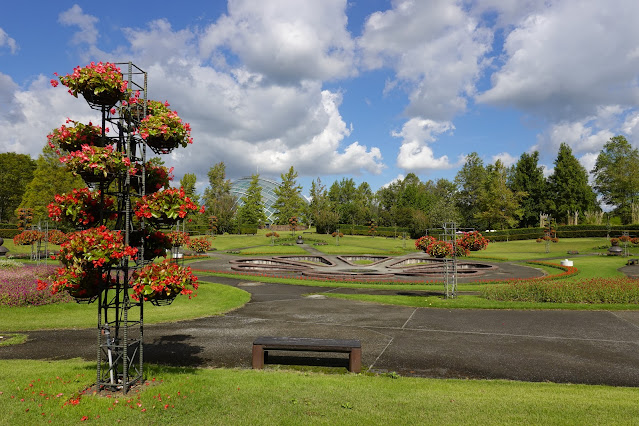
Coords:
355,360
258,357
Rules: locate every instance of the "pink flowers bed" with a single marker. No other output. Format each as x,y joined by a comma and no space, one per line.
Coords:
19,287
593,290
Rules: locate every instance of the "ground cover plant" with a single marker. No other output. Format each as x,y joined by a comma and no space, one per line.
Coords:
36,392
19,285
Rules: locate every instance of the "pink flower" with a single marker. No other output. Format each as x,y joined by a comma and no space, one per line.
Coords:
54,82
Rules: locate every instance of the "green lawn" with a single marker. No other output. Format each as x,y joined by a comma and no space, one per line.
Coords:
212,299
36,392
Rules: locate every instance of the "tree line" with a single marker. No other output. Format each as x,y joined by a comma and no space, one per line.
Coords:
481,196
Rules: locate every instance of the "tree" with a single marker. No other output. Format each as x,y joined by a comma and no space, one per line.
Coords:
444,208
218,199
343,197
188,183
616,176
16,171
252,209
49,178
499,206
319,210
528,177
568,188
289,202
470,184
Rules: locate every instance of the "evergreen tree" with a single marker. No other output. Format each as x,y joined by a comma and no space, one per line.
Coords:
528,178
252,209
49,178
363,203
188,182
218,199
499,205
568,188
616,175
289,202
16,171
470,185
319,210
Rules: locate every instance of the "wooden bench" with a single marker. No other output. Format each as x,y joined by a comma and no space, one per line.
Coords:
632,262
262,345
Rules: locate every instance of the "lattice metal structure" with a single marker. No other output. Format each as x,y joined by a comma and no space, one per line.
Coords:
450,265
120,362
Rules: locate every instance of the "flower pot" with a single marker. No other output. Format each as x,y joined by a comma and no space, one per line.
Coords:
162,300
106,99
85,296
90,178
160,145
162,222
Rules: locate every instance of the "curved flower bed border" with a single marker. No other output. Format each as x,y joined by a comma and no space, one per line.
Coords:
567,271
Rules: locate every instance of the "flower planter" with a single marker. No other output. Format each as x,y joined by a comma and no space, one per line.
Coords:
162,222
160,145
105,99
162,300
90,178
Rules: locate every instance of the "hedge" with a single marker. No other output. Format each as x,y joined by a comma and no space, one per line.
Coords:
564,231
9,233
380,231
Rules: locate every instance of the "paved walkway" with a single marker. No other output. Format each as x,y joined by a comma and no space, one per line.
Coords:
560,346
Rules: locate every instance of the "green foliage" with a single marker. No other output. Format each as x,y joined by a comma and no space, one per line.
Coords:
381,231
528,178
218,199
16,171
568,188
289,201
499,206
470,183
252,208
616,175
49,178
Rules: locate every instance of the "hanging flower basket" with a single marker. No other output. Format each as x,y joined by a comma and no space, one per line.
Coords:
155,243
163,130
82,282
155,178
96,248
165,208
95,164
71,138
81,208
160,283
178,238
101,84
440,249
28,237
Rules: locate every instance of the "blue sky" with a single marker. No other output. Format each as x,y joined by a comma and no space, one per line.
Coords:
371,89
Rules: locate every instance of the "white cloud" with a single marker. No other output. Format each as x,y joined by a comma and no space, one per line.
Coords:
506,159
435,48
415,153
88,32
244,117
285,40
7,41
569,59
582,136
588,160
399,178
34,112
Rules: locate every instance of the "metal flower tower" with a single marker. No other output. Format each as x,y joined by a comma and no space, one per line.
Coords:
120,323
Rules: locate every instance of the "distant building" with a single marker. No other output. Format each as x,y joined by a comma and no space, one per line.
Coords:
240,186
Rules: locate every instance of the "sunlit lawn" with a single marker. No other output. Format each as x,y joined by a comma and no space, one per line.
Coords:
38,392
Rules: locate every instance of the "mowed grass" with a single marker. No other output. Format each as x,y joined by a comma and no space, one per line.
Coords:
211,299
36,392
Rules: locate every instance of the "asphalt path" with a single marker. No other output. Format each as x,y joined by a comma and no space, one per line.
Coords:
592,347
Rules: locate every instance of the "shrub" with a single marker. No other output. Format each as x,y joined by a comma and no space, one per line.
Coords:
199,245
594,290
422,243
19,285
